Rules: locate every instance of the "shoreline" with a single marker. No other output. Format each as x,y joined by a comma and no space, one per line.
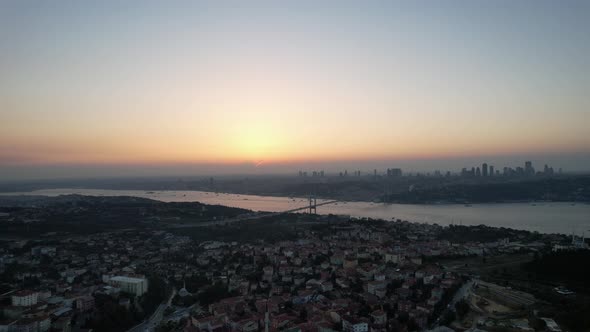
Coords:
542,217
270,195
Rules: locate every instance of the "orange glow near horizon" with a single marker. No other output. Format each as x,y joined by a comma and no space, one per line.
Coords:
252,145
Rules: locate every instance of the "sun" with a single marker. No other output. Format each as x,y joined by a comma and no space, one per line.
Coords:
257,142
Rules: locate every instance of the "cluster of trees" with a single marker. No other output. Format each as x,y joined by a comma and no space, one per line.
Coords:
158,292
562,265
112,316
461,308
269,230
214,293
570,312
89,215
481,233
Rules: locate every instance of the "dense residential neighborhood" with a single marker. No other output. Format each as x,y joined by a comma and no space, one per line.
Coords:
331,273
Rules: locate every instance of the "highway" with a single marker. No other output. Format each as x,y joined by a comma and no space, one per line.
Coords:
183,312
155,319
461,293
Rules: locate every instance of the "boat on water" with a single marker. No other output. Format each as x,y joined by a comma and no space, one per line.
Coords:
467,205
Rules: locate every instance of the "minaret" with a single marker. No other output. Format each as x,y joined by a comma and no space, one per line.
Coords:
266,318
266,314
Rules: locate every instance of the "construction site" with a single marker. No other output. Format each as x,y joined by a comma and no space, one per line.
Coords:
494,307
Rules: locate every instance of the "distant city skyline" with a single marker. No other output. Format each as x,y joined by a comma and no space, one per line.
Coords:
572,164
213,87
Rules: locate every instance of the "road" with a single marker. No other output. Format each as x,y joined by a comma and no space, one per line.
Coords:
183,312
476,265
155,319
461,293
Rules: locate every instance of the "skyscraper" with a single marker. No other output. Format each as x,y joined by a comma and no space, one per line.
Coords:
528,168
484,169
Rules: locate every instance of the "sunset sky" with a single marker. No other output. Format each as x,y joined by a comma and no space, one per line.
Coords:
116,83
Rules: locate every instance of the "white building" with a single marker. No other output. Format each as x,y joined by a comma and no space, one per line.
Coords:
373,286
351,324
393,257
551,325
25,298
33,324
136,286
379,317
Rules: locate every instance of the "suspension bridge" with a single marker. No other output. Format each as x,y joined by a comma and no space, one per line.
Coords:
310,208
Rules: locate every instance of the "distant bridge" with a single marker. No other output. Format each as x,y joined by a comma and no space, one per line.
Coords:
311,208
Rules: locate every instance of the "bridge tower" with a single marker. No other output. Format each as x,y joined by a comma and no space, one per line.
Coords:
312,205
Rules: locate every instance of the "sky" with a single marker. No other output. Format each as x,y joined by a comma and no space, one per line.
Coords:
91,87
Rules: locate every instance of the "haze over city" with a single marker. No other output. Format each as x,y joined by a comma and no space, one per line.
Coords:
168,88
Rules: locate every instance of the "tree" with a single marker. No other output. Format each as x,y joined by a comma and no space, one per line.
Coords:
538,324
412,325
364,311
448,318
156,294
303,314
214,294
111,316
403,317
462,308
